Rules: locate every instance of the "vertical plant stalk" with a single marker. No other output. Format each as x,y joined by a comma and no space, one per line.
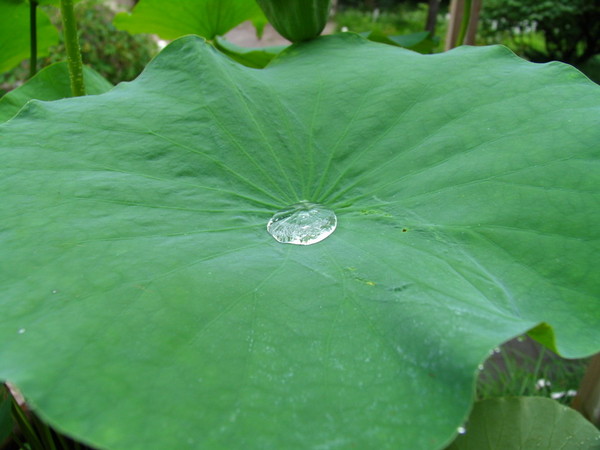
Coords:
471,37
432,13
73,49
456,12
33,37
587,401
25,426
466,18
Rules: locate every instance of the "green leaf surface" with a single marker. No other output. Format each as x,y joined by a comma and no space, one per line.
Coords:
51,83
145,305
207,18
526,423
14,33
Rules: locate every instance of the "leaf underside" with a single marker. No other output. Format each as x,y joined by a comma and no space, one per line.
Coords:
144,303
207,18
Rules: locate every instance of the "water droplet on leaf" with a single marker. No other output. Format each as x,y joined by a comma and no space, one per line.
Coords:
21,330
461,430
302,224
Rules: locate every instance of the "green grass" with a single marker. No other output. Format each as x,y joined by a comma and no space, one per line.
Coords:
403,19
512,372
23,430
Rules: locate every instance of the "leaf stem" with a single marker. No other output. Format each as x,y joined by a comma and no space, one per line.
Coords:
465,23
45,435
587,400
25,426
33,37
72,46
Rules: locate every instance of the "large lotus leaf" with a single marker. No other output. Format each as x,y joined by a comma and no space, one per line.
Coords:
526,422
50,83
14,33
145,305
208,18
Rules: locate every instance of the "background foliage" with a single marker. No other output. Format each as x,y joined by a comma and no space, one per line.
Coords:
570,29
15,35
115,54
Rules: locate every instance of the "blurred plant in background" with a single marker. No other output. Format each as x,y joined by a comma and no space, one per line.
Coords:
522,367
549,30
397,18
569,31
538,30
401,19
116,55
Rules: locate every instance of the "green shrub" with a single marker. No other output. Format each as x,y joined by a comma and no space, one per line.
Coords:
592,68
545,30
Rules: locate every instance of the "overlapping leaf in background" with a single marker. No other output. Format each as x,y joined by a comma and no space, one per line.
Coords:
51,83
145,305
526,422
14,33
207,18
